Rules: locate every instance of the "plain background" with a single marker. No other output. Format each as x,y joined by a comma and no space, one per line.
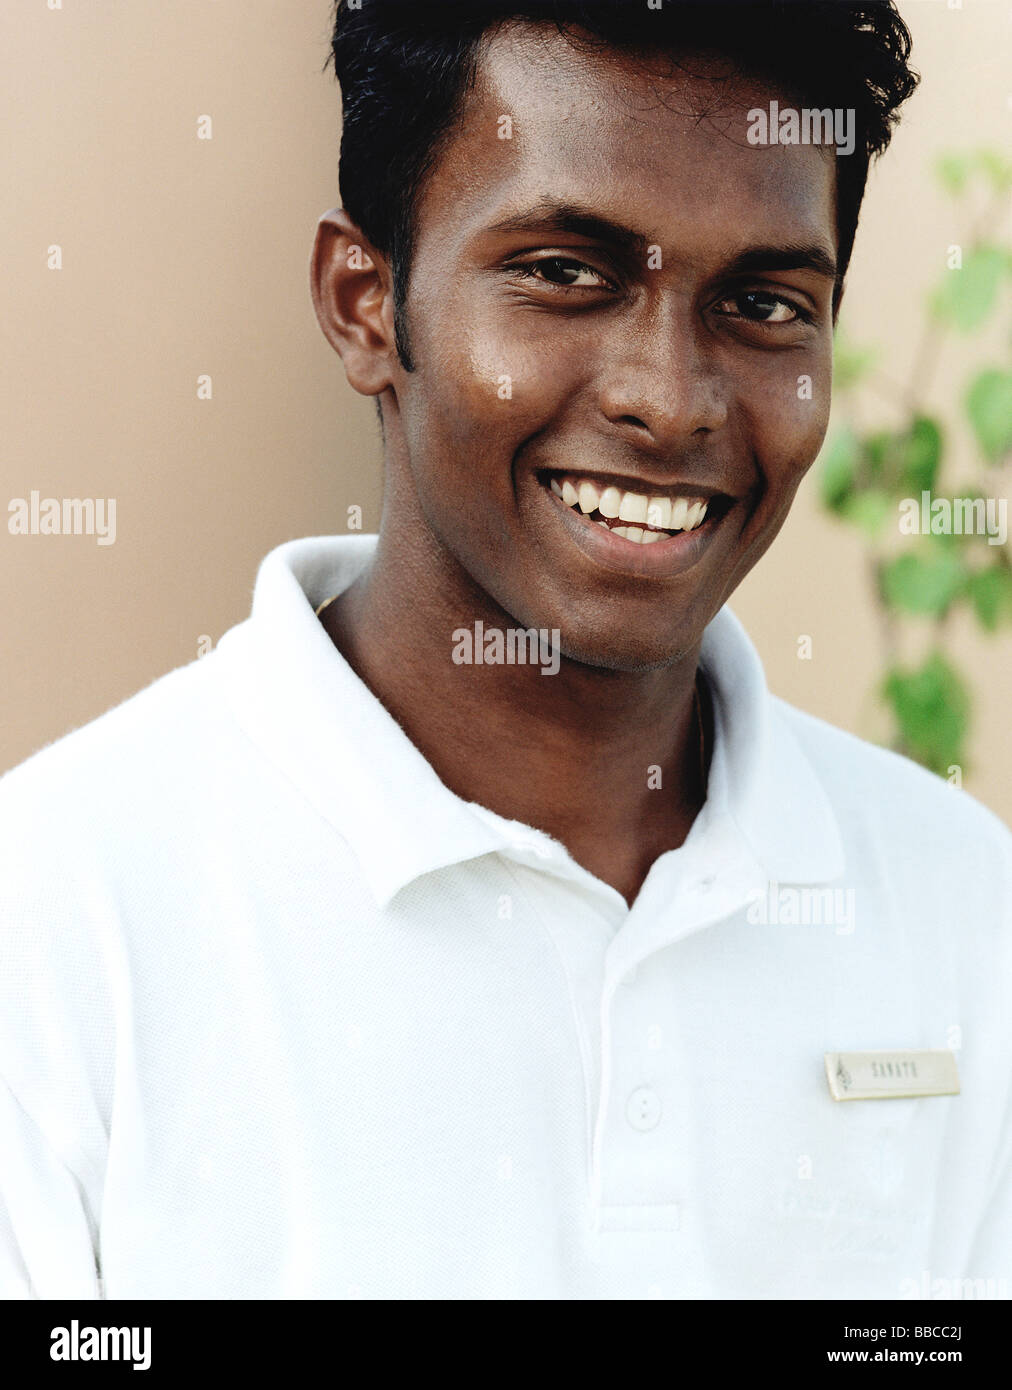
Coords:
184,256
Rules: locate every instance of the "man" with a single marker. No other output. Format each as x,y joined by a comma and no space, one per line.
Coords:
417,943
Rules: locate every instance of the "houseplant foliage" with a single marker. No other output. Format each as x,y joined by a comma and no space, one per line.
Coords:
932,539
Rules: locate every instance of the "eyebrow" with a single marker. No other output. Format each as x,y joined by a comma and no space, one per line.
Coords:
549,215
794,256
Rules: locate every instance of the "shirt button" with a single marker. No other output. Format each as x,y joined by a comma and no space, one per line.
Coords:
644,1108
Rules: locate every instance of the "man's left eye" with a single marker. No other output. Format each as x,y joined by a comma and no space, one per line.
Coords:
764,307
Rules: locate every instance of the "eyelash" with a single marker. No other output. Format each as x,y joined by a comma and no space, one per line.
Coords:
528,271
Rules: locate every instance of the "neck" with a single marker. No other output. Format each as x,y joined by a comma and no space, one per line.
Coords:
607,762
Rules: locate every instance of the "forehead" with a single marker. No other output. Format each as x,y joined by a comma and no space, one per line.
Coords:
641,137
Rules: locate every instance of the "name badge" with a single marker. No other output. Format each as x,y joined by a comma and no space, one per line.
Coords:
891,1075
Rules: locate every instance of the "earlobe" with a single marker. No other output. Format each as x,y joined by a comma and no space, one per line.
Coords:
350,286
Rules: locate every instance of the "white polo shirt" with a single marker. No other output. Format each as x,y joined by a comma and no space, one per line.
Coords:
283,1017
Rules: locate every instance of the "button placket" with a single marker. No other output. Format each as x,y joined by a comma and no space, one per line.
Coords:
637,1157
702,901
642,1163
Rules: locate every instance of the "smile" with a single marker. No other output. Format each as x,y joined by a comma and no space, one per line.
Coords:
644,518
640,529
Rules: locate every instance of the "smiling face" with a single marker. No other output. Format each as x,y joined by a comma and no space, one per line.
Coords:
613,316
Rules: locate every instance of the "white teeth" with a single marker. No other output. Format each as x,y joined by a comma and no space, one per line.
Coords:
665,514
611,500
633,507
588,497
659,512
636,534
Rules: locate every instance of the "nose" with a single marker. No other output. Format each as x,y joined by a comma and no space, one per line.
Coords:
660,384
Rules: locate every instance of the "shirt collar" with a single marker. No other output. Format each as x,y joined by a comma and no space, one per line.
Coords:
300,702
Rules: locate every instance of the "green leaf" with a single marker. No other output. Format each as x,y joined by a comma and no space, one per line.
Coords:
991,594
953,170
998,170
877,452
851,363
932,708
923,582
838,467
966,296
870,510
989,406
920,457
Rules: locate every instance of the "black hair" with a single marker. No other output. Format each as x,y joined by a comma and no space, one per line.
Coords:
405,68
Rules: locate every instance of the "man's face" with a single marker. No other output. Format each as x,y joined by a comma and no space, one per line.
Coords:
551,357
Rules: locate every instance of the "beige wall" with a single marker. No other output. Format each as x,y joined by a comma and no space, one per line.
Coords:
184,256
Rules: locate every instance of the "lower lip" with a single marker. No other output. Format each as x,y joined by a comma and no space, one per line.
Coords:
657,560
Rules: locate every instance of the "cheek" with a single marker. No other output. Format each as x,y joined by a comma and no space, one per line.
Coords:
471,406
485,396
788,420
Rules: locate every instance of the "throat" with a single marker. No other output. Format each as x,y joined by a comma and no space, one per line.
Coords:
618,784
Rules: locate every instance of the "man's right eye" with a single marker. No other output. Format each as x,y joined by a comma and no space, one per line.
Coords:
544,271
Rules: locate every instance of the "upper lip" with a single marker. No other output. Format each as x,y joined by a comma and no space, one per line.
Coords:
642,486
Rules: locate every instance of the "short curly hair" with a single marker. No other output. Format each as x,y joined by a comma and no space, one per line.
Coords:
405,68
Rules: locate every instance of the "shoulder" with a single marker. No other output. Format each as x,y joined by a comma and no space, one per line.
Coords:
107,767
930,868
104,814
877,792
90,832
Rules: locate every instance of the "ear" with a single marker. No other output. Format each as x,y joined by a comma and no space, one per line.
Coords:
352,293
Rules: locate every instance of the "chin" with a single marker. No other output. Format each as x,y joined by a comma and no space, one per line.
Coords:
626,653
